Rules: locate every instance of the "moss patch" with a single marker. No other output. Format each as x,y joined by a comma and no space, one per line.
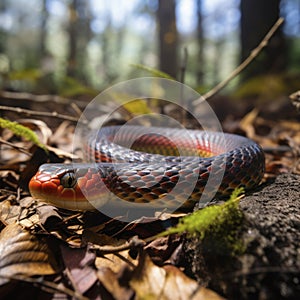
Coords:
218,226
22,131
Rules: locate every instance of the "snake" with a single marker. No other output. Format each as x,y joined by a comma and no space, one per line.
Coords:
151,166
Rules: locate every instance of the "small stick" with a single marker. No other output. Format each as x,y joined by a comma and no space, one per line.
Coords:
29,112
36,98
21,149
243,65
51,286
182,79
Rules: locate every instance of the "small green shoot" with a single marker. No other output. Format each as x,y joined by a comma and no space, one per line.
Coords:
22,131
153,71
218,224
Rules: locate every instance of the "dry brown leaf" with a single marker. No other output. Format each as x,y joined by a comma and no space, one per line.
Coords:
44,132
114,262
62,154
48,215
185,287
110,282
163,248
105,242
18,212
8,178
79,263
63,137
247,123
9,213
22,253
152,282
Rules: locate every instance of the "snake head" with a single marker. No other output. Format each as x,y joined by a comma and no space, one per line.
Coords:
66,186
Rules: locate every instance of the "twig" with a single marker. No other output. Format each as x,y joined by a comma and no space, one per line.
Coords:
29,112
126,260
133,243
38,98
243,65
21,149
183,65
182,79
51,286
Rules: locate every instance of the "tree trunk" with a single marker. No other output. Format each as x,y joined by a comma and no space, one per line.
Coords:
43,30
72,31
200,40
79,36
168,36
257,17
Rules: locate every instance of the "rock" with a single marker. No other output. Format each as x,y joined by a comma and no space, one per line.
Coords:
270,266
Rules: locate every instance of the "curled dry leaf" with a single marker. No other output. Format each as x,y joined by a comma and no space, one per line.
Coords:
44,132
22,253
246,124
8,177
62,141
152,282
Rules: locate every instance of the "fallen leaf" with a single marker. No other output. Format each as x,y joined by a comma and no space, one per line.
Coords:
111,283
49,216
152,282
161,249
9,213
246,123
44,132
113,261
79,263
22,253
21,211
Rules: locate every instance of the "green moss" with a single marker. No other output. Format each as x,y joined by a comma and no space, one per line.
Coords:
22,131
217,226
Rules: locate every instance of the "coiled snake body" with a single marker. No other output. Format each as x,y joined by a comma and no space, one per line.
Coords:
192,165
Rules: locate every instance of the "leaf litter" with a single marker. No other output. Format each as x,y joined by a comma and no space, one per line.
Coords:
81,254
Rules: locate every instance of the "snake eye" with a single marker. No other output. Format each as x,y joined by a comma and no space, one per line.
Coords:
68,180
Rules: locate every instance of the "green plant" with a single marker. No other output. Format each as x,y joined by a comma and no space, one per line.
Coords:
22,131
153,71
216,225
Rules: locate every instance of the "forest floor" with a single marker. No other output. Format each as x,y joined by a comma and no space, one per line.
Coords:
88,256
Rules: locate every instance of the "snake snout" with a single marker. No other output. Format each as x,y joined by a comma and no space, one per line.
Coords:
66,186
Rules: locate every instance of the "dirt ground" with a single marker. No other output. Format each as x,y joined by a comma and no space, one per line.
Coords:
270,266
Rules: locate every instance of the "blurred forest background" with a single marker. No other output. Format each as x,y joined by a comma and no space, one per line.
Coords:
79,47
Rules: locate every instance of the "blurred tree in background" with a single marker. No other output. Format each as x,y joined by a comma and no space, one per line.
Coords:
168,37
76,47
257,17
79,31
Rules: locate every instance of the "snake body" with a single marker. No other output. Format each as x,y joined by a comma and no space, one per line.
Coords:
166,168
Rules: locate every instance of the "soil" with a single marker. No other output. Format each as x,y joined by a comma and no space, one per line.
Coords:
270,266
